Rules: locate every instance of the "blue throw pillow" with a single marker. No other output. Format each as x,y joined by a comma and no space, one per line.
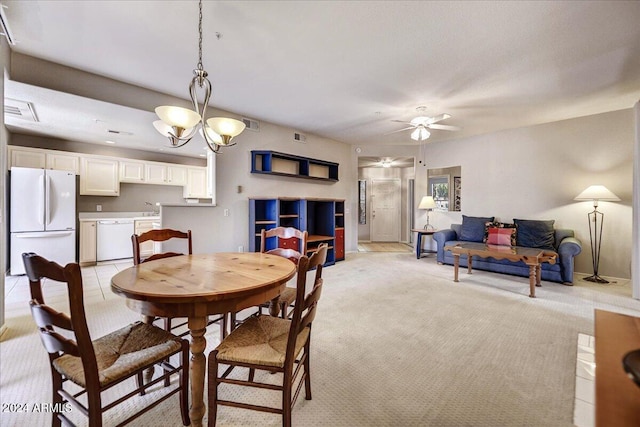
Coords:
535,234
472,229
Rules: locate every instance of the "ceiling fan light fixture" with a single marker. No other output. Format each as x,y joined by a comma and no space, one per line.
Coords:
420,134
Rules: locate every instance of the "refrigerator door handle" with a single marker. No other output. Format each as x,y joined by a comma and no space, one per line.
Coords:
39,234
41,201
47,214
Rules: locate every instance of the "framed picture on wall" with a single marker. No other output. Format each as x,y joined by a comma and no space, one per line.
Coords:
457,189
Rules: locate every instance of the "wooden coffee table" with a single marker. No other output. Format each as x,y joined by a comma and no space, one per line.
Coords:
530,256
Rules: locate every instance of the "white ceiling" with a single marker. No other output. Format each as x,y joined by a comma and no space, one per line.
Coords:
344,69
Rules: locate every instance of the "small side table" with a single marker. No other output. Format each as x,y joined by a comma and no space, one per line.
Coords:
419,233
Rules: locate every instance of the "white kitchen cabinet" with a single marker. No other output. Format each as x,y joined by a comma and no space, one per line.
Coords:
87,242
63,162
131,171
155,173
25,157
176,175
99,177
196,187
142,226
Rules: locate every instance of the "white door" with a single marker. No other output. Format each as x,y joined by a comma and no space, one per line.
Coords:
385,210
60,200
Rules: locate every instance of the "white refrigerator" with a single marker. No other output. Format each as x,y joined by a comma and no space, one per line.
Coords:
43,215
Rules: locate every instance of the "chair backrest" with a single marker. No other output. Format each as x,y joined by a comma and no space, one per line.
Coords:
51,322
284,233
160,235
304,310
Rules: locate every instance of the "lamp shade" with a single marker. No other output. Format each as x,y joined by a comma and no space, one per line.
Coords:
225,126
178,116
598,192
427,202
420,134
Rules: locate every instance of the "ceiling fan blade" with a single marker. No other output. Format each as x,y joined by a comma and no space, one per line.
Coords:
400,130
443,127
401,121
436,119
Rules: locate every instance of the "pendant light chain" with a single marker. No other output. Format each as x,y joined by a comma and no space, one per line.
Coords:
200,36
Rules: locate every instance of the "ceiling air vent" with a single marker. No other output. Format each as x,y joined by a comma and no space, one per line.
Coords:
300,137
251,124
20,109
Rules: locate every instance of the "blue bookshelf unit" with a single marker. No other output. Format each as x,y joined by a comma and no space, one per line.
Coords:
282,164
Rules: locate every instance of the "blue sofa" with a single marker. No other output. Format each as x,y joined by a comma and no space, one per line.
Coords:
566,245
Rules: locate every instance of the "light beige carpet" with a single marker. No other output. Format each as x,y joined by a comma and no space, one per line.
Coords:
395,342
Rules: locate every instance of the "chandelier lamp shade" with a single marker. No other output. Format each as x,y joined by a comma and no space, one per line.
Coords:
179,124
596,193
427,203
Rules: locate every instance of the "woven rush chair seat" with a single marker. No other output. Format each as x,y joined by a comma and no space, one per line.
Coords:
271,344
121,353
106,362
261,340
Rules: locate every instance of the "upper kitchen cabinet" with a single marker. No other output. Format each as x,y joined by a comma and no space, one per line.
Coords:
196,187
99,177
63,162
131,171
176,175
155,173
26,157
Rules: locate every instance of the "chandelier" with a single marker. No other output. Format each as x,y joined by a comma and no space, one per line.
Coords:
179,124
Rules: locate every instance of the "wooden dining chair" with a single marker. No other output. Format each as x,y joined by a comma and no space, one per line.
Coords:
290,243
98,365
162,235
159,235
271,344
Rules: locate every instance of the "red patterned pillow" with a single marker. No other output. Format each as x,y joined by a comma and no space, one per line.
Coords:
501,236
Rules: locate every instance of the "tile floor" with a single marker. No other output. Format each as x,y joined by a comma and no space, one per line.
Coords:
584,409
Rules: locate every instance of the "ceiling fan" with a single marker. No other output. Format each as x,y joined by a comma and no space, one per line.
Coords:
421,123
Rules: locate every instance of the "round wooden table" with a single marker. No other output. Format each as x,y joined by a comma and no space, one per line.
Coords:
195,286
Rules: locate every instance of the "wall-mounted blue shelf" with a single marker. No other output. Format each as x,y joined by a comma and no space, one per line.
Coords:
275,163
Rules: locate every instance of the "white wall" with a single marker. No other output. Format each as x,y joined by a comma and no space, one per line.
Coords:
535,173
5,60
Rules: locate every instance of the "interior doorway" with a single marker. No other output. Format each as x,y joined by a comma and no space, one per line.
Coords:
373,234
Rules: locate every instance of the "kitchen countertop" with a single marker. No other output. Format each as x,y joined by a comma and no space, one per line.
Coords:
98,216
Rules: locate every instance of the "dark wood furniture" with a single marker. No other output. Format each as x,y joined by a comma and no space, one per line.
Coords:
287,238
96,366
258,344
419,233
160,235
276,163
195,286
530,256
617,396
322,219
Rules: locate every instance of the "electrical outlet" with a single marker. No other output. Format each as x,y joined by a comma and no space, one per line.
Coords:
240,248
226,212
98,208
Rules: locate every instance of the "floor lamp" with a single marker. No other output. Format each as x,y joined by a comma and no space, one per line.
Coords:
427,203
596,218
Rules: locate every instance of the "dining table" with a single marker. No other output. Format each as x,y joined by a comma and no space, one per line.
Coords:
196,286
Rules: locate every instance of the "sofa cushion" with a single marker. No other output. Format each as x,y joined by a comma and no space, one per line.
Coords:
535,233
496,224
501,236
473,228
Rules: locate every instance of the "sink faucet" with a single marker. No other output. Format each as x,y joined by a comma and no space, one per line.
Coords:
154,209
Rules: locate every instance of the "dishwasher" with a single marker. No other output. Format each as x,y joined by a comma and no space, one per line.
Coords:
114,239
